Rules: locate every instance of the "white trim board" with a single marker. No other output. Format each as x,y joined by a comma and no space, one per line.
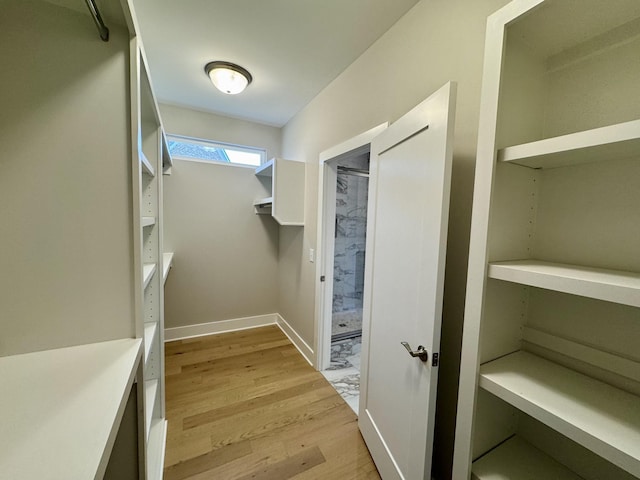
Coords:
232,325
302,346
222,326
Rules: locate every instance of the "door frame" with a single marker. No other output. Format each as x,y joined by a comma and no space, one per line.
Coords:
327,182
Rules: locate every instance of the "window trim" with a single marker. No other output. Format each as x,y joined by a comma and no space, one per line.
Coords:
212,143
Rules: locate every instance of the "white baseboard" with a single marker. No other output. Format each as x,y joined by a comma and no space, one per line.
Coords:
223,326
298,342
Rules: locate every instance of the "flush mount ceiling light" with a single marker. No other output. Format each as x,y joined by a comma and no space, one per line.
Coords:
228,77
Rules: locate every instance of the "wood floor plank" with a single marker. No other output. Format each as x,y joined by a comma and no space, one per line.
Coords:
263,458
207,461
226,411
289,467
203,400
246,405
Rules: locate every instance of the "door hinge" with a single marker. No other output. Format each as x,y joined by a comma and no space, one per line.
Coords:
435,358
322,278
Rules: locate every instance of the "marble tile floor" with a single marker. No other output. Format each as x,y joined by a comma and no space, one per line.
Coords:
344,370
344,322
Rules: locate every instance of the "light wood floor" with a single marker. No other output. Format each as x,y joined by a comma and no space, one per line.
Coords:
246,405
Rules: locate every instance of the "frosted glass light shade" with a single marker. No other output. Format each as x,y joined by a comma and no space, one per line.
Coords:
228,77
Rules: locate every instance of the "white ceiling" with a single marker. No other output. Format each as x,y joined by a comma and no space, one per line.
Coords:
293,49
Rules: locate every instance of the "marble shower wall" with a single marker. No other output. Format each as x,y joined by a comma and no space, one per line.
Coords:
351,224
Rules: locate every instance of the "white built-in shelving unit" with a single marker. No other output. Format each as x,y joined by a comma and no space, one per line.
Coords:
284,184
81,335
550,373
150,154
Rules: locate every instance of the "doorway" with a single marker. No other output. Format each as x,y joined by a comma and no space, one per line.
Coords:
350,225
342,223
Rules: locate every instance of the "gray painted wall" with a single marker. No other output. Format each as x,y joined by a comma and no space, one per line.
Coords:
66,229
433,43
226,256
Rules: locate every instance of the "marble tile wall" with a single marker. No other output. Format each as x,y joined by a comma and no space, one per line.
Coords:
351,224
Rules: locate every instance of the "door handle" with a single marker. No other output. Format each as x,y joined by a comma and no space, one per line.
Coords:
421,353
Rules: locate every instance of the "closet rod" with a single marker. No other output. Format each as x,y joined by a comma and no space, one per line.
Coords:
95,13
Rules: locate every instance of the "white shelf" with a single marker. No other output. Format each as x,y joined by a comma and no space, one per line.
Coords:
156,449
516,459
150,331
148,221
150,394
264,206
267,202
60,409
148,269
285,200
167,261
609,285
605,143
167,160
602,418
266,169
146,165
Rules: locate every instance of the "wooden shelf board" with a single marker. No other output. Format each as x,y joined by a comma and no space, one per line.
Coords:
609,285
150,394
517,459
60,409
148,221
167,261
148,269
605,143
150,331
146,165
266,169
602,418
156,448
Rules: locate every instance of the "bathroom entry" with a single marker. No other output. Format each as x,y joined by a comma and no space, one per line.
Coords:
352,187
347,219
343,192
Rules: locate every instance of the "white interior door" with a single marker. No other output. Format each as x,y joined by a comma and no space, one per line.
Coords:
410,178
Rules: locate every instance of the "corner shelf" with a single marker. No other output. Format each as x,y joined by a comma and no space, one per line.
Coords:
605,143
148,270
284,181
600,417
167,262
609,285
518,459
55,400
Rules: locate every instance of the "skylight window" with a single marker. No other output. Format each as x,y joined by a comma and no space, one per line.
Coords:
199,150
